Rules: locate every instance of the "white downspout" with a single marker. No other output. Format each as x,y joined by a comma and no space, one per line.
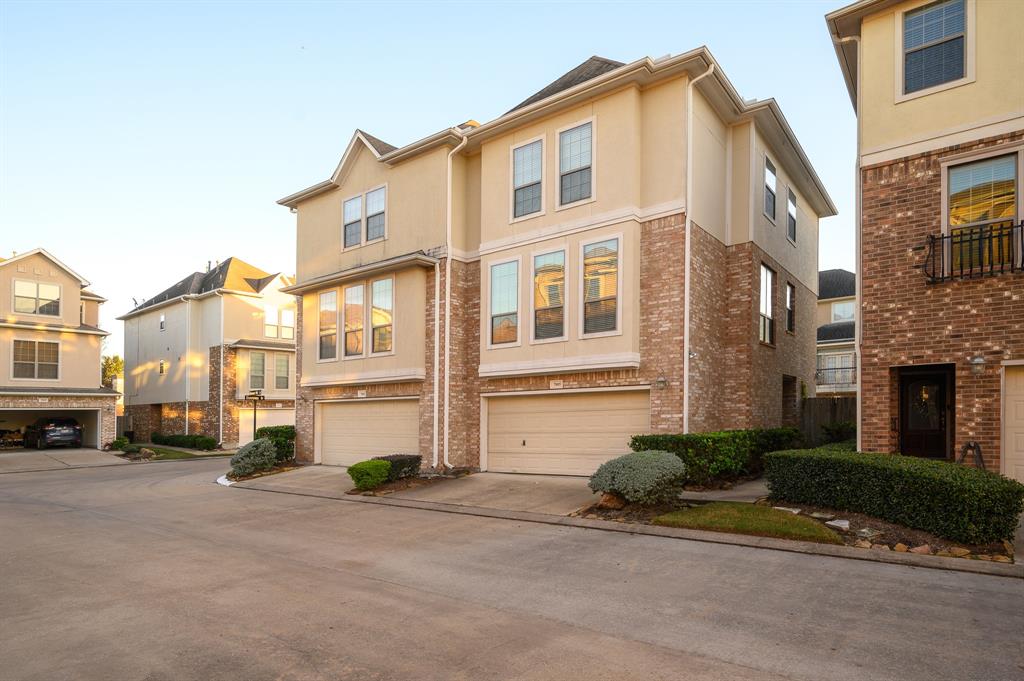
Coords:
448,294
220,393
689,237
188,363
437,352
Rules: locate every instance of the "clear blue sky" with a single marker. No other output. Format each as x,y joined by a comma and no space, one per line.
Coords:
139,140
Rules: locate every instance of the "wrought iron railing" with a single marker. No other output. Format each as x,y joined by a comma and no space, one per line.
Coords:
836,377
979,251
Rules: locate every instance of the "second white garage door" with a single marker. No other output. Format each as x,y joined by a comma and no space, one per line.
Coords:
569,434
1013,429
355,431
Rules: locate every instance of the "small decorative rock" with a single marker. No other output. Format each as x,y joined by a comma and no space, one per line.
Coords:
843,525
1008,547
868,533
1002,559
862,544
881,547
146,453
794,511
591,516
900,548
983,556
923,549
612,501
944,554
958,551
823,516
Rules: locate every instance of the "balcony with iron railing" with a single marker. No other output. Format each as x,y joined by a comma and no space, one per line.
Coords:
836,379
975,251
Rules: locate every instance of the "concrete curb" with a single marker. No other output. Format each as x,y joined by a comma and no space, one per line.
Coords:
1015,571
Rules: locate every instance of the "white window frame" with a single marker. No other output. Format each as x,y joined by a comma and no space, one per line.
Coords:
790,307
60,359
519,303
970,33
291,326
36,283
512,179
253,353
593,163
562,248
366,217
762,289
764,188
832,311
791,201
266,320
287,373
581,294
337,325
362,222
341,321
163,322
368,347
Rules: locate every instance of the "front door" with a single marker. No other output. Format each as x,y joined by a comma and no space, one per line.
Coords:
925,419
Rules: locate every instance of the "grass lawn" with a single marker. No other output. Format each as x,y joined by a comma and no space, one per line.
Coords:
762,521
168,454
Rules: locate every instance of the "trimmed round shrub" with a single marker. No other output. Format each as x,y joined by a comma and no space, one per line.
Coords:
402,465
119,443
649,477
255,457
370,474
283,438
131,449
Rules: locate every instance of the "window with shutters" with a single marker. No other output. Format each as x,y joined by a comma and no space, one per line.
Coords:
601,287
36,360
575,157
549,296
504,313
527,179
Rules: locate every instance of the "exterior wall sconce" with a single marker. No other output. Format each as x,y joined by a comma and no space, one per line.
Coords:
661,383
977,365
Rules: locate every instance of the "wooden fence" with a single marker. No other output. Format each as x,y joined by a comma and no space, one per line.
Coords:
816,412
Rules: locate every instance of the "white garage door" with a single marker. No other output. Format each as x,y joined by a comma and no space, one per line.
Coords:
264,417
355,431
569,434
1013,429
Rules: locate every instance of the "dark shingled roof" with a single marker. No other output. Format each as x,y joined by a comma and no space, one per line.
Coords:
591,68
835,332
270,345
381,146
836,284
233,274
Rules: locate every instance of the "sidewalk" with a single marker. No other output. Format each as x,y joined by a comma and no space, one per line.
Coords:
747,492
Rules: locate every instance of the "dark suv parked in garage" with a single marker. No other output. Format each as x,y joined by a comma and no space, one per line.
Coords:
46,432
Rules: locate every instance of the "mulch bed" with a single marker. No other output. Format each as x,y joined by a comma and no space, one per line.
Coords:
280,468
406,483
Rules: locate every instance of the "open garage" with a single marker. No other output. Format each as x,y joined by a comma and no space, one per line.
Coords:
16,420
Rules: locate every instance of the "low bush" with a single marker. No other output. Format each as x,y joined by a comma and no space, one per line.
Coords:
283,438
953,501
119,443
254,457
840,431
722,455
402,465
131,449
370,474
188,441
649,477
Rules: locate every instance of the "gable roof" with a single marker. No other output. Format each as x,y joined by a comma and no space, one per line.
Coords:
591,68
231,275
378,145
52,258
845,23
836,284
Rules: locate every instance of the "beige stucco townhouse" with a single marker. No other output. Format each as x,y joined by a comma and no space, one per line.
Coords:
837,312
631,249
50,348
939,95
202,345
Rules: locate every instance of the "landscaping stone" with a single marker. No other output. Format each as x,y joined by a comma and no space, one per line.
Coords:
823,516
794,511
1008,547
881,547
900,548
868,533
862,544
923,549
843,525
959,551
1002,559
611,501
983,556
944,554
146,453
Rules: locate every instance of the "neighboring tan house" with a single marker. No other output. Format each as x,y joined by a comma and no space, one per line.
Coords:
233,316
939,92
837,312
50,348
521,295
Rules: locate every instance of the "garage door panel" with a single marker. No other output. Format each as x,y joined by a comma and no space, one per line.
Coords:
569,434
355,431
1013,429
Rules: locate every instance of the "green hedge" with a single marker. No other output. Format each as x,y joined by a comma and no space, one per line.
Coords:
402,465
283,438
370,474
188,441
956,502
722,455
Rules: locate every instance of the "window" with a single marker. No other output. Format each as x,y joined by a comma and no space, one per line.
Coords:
790,308
375,201
933,45
549,295
163,367
36,359
353,211
270,321
163,322
766,330
505,303
526,178
31,297
281,372
769,188
257,370
288,324
354,313
982,209
844,311
81,313
601,287
329,325
382,296
574,158
791,216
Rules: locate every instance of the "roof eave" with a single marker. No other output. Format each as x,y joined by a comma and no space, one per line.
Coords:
400,262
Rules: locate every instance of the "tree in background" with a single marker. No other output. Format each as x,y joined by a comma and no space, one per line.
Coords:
112,367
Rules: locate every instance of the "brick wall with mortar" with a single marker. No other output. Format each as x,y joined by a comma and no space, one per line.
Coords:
106,405
709,297
145,420
908,321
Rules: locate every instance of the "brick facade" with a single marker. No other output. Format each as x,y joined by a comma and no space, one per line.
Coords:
907,321
107,404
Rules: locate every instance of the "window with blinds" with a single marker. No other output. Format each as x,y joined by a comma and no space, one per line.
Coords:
281,372
329,325
39,360
933,45
505,302
375,201
982,204
382,314
526,184
601,286
574,164
257,370
549,295
354,313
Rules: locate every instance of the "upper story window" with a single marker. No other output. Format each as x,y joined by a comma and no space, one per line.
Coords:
257,370
354,313
81,313
791,216
328,327
844,311
934,40
270,321
982,210
162,368
790,308
32,297
375,218
36,359
505,302
601,287
527,164
574,164
382,303
353,217
163,322
288,324
766,328
769,188
549,296
281,371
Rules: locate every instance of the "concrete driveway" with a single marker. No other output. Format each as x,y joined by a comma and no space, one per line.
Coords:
21,460
154,572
